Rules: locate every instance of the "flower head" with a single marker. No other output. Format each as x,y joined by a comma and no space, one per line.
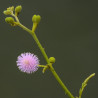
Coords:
27,62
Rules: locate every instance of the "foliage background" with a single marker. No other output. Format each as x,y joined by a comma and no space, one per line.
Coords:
68,31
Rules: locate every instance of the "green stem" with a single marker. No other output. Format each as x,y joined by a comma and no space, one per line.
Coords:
60,82
41,48
47,60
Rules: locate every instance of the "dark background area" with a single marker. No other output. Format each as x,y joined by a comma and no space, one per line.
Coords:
68,31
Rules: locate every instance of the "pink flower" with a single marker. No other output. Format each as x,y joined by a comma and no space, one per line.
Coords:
27,62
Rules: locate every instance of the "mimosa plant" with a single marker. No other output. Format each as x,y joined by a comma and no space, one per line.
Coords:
29,63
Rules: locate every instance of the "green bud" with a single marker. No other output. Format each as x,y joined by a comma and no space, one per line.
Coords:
7,12
9,20
36,18
11,8
18,9
52,60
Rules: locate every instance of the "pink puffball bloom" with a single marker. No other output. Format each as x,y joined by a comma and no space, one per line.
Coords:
27,62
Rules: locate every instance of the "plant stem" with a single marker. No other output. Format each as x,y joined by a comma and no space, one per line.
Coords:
60,82
41,48
47,60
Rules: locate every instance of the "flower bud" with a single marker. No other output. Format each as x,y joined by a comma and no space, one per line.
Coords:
36,18
11,8
52,60
7,12
18,9
9,20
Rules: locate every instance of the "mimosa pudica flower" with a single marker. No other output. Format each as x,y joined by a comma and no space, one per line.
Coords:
28,62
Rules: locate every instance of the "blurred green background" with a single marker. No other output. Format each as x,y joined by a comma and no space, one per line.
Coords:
68,31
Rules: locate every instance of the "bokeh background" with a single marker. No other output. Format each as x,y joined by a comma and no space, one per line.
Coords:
68,31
